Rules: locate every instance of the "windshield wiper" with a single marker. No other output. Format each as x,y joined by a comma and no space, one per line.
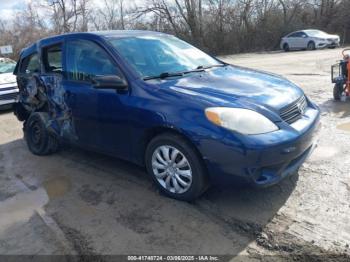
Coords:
163,75
169,74
210,66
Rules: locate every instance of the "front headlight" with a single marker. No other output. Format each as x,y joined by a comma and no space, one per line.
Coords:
242,120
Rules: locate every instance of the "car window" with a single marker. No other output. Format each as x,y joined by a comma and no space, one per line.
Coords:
153,55
293,35
52,58
296,34
86,59
30,64
6,65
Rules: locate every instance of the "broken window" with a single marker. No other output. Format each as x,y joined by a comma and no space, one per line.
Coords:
30,64
52,59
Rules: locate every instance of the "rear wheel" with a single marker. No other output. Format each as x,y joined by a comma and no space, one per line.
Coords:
286,47
175,167
338,91
39,140
311,46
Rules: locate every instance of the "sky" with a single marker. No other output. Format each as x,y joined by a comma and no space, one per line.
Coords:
9,7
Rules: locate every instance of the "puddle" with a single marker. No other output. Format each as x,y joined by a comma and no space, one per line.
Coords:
21,207
344,127
57,187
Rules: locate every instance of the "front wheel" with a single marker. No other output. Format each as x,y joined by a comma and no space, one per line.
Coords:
311,46
338,91
286,47
175,167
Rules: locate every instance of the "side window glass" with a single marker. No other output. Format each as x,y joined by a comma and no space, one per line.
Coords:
86,59
52,59
294,35
30,64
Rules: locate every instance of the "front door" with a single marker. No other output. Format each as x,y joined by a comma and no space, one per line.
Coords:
99,115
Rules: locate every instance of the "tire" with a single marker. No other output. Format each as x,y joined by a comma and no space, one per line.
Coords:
39,141
187,165
338,90
286,47
311,46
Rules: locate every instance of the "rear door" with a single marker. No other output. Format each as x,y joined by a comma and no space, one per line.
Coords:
293,40
99,115
302,40
28,66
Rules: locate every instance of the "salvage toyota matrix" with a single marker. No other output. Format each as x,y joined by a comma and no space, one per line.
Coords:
155,100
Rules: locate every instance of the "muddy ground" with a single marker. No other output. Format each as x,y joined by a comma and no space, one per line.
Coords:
78,202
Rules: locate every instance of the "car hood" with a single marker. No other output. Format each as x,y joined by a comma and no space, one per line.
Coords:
326,36
7,78
232,84
332,37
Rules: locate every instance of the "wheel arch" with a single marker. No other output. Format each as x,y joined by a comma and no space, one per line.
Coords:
311,42
285,46
156,131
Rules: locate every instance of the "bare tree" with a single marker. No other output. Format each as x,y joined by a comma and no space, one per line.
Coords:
111,16
218,26
69,15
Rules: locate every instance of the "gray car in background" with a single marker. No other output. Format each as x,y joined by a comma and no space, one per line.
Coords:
310,39
8,84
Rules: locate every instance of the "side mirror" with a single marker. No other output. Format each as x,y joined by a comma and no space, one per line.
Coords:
109,82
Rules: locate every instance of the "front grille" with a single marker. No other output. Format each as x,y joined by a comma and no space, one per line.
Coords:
294,111
10,96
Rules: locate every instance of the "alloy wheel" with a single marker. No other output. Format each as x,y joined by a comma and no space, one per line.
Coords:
172,169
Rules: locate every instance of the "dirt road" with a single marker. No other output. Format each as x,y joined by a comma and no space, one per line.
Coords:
78,202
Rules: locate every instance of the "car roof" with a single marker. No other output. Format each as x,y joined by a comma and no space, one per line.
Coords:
305,31
105,34
126,33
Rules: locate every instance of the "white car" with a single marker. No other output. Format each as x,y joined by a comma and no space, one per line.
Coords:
310,39
8,84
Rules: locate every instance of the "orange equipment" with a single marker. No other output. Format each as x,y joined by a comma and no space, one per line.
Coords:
341,76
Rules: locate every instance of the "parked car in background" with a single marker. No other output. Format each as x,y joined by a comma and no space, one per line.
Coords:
310,39
189,118
8,84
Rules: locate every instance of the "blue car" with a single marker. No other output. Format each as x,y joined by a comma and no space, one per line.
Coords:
153,99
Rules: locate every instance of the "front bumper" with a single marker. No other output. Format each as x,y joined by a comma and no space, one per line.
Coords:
325,44
8,94
265,159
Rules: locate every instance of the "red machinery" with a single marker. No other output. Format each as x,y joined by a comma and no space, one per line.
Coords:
341,76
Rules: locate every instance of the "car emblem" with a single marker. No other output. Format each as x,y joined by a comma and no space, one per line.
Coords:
300,108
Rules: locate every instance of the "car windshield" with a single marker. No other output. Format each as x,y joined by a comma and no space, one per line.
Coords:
155,55
315,33
6,65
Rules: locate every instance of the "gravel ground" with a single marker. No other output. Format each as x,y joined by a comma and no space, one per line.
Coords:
83,203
